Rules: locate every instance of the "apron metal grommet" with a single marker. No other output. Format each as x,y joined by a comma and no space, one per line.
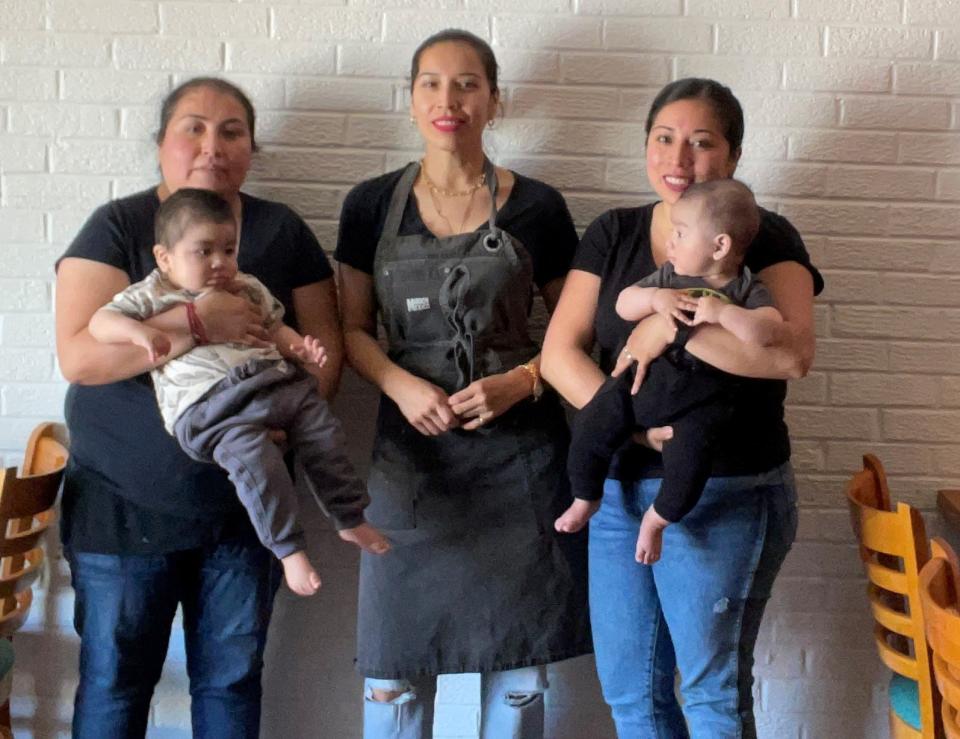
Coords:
491,242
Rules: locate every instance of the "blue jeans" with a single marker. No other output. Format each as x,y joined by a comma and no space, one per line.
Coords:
698,609
511,706
123,612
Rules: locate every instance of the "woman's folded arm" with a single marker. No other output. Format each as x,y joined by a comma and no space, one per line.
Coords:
790,355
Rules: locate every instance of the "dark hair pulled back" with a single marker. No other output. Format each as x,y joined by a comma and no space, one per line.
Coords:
724,103
459,36
216,84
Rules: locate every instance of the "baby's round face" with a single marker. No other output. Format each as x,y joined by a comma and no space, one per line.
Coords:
204,257
690,248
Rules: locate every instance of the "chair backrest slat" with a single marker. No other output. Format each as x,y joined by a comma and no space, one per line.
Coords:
900,663
27,496
891,619
885,577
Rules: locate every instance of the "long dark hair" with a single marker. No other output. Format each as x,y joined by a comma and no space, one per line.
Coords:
724,103
217,84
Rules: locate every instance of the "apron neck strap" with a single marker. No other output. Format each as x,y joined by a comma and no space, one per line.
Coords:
491,172
398,201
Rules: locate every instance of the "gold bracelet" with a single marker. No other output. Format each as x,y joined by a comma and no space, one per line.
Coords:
531,369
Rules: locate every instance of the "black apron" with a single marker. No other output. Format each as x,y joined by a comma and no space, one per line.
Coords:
477,579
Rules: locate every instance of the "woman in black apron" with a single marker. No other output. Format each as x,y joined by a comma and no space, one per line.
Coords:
468,464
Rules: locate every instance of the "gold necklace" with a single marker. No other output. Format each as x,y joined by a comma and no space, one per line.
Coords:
466,213
437,190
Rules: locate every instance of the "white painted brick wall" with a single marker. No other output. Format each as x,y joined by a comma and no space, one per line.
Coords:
853,118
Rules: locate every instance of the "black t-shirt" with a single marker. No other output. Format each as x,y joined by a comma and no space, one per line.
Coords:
534,213
129,488
616,247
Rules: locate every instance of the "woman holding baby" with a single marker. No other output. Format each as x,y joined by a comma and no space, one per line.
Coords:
146,529
698,609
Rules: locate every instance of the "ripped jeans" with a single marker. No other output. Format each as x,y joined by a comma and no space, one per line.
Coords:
698,609
512,706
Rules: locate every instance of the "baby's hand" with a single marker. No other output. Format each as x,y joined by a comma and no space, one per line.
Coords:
708,310
673,304
650,538
310,351
154,341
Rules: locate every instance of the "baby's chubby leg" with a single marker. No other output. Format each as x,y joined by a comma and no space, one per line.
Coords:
367,538
576,516
301,578
319,443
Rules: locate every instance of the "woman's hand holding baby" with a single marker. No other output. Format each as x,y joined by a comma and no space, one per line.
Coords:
646,342
227,317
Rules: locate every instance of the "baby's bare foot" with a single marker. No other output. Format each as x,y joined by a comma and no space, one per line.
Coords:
576,516
301,578
367,538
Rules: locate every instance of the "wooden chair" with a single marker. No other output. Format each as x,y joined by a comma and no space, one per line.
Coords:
893,547
940,596
26,512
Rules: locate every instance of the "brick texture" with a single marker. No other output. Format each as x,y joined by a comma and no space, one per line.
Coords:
853,132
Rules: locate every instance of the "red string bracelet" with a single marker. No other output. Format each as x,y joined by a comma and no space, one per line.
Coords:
197,330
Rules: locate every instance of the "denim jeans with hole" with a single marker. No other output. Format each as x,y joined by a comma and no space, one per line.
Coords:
698,609
124,609
511,706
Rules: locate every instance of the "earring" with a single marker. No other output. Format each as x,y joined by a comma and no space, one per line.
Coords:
412,120
491,123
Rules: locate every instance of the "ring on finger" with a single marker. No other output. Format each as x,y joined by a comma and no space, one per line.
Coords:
626,353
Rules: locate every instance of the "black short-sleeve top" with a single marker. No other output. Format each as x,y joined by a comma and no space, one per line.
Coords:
616,247
534,213
129,488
